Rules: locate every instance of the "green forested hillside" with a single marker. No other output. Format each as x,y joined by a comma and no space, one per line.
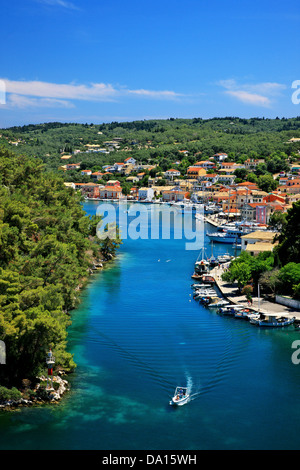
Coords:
157,140
47,245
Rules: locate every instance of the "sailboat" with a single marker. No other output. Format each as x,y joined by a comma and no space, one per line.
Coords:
213,261
201,266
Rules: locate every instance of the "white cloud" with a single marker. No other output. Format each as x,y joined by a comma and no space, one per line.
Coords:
59,3
259,94
23,102
38,93
97,91
155,94
249,98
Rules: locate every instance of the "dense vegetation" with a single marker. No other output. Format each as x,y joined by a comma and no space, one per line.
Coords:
47,246
160,141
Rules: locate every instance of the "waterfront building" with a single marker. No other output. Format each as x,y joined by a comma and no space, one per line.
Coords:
146,194
110,192
258,241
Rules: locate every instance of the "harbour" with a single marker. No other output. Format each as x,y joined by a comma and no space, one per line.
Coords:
137,334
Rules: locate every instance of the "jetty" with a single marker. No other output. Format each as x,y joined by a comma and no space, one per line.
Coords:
232,294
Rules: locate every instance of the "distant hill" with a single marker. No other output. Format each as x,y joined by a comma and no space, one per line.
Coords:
151,140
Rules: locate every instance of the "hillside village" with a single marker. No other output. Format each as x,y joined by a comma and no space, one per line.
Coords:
213,180
175,160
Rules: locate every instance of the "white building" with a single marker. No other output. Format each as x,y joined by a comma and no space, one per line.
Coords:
220,157
260,240
130,160
172,173
118,166
146,193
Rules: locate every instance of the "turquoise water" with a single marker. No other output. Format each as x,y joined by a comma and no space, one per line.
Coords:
137,335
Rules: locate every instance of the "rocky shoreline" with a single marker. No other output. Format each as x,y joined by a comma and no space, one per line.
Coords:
42,396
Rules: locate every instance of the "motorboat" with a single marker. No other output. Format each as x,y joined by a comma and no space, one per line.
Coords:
253,316
231,233
187,207
241,313
208,299
198,286
181,396
204,295
218,304
231,309
205,292
226,236
273,321
224,258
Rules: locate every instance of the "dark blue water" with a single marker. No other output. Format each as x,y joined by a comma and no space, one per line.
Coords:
137,335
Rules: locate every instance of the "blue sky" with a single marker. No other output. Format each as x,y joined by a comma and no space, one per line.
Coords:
101,61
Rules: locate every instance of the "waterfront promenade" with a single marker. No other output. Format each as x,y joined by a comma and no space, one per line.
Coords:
230,292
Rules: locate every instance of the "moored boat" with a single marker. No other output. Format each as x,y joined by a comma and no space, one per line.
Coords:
219,303
273,320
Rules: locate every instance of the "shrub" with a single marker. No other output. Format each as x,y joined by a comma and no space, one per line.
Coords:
9,394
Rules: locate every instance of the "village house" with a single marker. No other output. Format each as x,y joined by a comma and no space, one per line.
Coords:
230,166
174,196
171,174
220,157
70,185
289,189
226,179
258,241
248,211
91,190
293,182
66,157
207,165
130,160
134,192
257,196
146,194
118,166
260,212
251,163
194,172
127,169
226,171
295,168
72,166
211,178
97,175
132,179
86,172
248,185
111,192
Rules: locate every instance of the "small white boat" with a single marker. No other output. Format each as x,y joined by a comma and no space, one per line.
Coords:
204,294
218,304
181,396
198,286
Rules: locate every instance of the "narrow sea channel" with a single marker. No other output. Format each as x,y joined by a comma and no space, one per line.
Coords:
138,334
